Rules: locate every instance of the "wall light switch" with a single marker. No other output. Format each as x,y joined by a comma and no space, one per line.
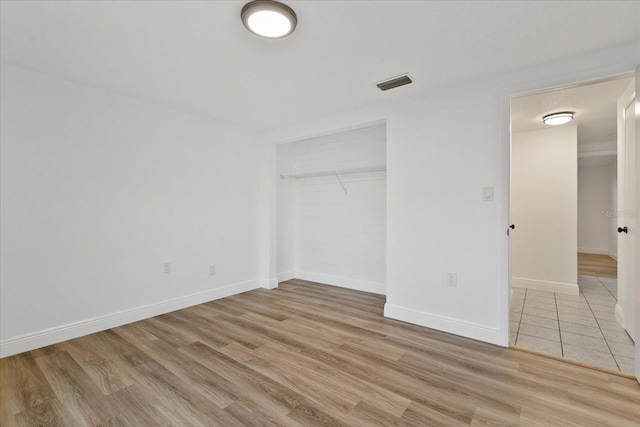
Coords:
487,194
452,279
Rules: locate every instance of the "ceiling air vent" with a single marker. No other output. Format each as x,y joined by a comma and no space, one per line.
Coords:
394,82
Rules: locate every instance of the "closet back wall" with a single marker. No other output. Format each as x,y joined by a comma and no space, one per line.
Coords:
327,233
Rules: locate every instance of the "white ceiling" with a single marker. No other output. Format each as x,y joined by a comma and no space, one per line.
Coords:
197,56
594,106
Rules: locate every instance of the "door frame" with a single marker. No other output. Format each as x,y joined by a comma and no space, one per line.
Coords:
562,81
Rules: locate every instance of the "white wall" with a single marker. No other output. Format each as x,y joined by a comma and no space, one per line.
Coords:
442,148
544,192
440,157
286,218
336,238
595,207
98,192
612,184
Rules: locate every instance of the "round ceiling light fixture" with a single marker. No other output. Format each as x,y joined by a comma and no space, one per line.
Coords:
269,18
558,118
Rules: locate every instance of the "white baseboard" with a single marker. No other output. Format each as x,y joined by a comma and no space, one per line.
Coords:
270,283
31,341
343,282
543,285
598,251
447,324
287,275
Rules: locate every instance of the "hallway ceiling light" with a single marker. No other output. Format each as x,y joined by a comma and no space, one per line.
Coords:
558,118
269,18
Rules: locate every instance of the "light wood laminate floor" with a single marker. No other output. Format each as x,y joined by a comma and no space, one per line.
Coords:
302,354
597,265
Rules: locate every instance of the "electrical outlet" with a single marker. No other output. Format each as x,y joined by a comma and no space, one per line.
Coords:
212,270
167,267
452,279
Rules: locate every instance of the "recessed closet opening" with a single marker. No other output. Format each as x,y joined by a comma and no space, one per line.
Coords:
331,209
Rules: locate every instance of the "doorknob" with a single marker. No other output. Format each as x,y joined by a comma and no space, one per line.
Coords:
623,230
512,226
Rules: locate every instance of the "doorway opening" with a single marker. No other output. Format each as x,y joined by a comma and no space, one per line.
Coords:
331,209
568,183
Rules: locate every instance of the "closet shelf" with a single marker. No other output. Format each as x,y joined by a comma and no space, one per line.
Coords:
378,168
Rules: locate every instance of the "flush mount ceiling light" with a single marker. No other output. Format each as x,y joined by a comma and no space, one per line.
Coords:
268,18
558,118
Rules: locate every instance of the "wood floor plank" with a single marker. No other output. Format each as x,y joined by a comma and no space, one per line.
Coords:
200,324
199,378
186,406
99,360
428,415
254,386
167,330
127,349
26,397
442,388
496,392
75,389
225,333
44,351
372,415
251,414
136,408
383,400
597,265
315,385
399,383
489,417
305,330
459,367
303,354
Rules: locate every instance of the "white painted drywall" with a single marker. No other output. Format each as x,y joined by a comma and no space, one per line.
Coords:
440,156
100,190
544,192
285,216
324,234
595,209
612,183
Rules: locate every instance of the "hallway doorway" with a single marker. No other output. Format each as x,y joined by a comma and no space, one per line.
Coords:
564,271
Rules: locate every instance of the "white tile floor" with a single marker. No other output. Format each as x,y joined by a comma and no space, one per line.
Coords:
581,327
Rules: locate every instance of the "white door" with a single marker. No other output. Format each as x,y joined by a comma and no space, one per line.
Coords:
627,281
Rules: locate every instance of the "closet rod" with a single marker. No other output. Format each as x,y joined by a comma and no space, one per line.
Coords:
379,168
